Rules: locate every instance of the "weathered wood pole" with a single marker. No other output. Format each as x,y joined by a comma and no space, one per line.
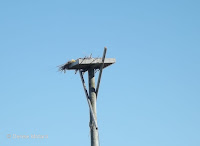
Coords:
92,97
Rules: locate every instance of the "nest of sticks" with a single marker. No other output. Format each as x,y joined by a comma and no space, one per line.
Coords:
65,66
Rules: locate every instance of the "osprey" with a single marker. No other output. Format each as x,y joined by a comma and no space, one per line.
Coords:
65,66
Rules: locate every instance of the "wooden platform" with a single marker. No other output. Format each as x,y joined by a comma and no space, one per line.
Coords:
91,63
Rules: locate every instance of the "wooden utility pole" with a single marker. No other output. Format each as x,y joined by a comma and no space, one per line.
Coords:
90,64
92,98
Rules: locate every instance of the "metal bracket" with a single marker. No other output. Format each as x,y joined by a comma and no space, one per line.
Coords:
88,100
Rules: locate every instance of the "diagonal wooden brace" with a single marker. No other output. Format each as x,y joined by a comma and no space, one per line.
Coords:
101,69
88,100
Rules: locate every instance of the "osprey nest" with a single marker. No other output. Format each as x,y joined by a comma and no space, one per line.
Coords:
65,66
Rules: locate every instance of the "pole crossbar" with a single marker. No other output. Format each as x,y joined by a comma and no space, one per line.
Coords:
88,100
100,72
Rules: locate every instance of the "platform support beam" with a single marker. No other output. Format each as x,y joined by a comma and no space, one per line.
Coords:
88,99
100,72
92,97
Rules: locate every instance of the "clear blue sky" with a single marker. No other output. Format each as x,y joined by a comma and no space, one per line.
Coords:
150,97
